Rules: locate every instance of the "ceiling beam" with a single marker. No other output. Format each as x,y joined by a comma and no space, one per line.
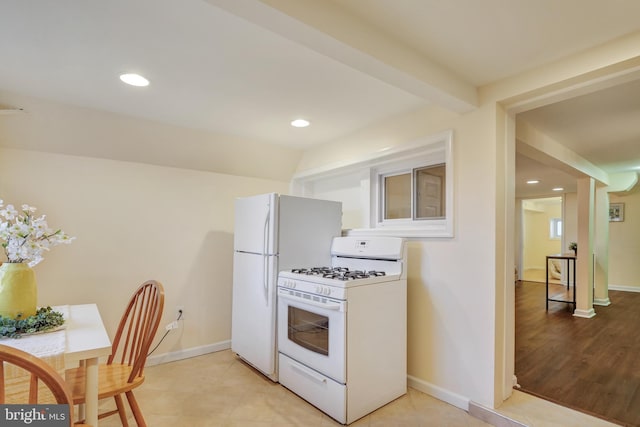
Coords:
534,144
328,29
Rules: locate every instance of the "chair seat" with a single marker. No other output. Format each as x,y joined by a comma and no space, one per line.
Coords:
112,380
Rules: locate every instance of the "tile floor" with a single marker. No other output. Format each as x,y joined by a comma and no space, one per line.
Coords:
218,389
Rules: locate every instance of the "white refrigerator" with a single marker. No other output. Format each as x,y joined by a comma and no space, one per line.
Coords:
273,233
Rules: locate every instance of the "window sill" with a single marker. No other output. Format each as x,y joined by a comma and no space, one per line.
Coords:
406,232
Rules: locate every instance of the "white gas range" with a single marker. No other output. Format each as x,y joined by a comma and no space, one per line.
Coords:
342,328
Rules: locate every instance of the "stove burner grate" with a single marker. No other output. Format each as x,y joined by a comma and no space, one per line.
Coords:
338,273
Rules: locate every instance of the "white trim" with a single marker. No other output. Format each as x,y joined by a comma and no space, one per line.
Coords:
439,393
491,416
409,232
624,288
188,353
587,314
433,149
602,301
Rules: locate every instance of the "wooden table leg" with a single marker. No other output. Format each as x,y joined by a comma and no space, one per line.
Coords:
91,390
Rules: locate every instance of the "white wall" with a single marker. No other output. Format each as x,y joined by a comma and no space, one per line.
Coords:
57,128
537,241
624,244
451,282
135,222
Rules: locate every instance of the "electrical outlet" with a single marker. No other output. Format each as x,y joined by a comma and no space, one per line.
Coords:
172,325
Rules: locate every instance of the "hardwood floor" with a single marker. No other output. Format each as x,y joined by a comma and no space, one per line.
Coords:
592,365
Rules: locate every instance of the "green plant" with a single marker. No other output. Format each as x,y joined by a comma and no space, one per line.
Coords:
573,246
44,320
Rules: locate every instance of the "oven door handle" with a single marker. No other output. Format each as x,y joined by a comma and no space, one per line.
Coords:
327,306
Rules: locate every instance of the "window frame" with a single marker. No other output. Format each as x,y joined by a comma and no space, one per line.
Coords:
427,151
553,228
413,193
383,195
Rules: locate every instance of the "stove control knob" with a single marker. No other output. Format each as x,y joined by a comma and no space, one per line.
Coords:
318,289
327,291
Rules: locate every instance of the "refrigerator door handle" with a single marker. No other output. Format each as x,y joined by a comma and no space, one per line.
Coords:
265,258
265,278
265,233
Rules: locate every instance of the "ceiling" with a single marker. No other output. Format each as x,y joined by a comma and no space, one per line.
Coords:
247,68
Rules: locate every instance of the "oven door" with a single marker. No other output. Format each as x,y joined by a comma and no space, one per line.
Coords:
312,331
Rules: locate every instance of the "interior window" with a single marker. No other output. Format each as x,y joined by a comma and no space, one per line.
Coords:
397,196
402,191
430,184
417,194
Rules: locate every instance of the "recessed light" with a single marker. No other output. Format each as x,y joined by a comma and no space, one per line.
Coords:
134,80
558,189
533,181
300,123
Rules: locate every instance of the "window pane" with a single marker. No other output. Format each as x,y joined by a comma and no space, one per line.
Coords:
397,196
430,184
309,330
555,227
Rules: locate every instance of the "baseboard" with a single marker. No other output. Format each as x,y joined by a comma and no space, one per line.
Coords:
603,302
587,314
439,393
485,414
624,288
490,416
188,353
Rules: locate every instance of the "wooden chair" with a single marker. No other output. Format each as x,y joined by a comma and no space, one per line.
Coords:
124,370
40,373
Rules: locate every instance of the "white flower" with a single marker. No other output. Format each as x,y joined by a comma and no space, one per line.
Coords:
25,238
9,212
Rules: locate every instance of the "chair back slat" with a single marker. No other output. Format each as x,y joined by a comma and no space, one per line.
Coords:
33,389
2,392
138,327
143,309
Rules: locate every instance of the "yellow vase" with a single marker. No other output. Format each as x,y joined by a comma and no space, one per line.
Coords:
18,290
